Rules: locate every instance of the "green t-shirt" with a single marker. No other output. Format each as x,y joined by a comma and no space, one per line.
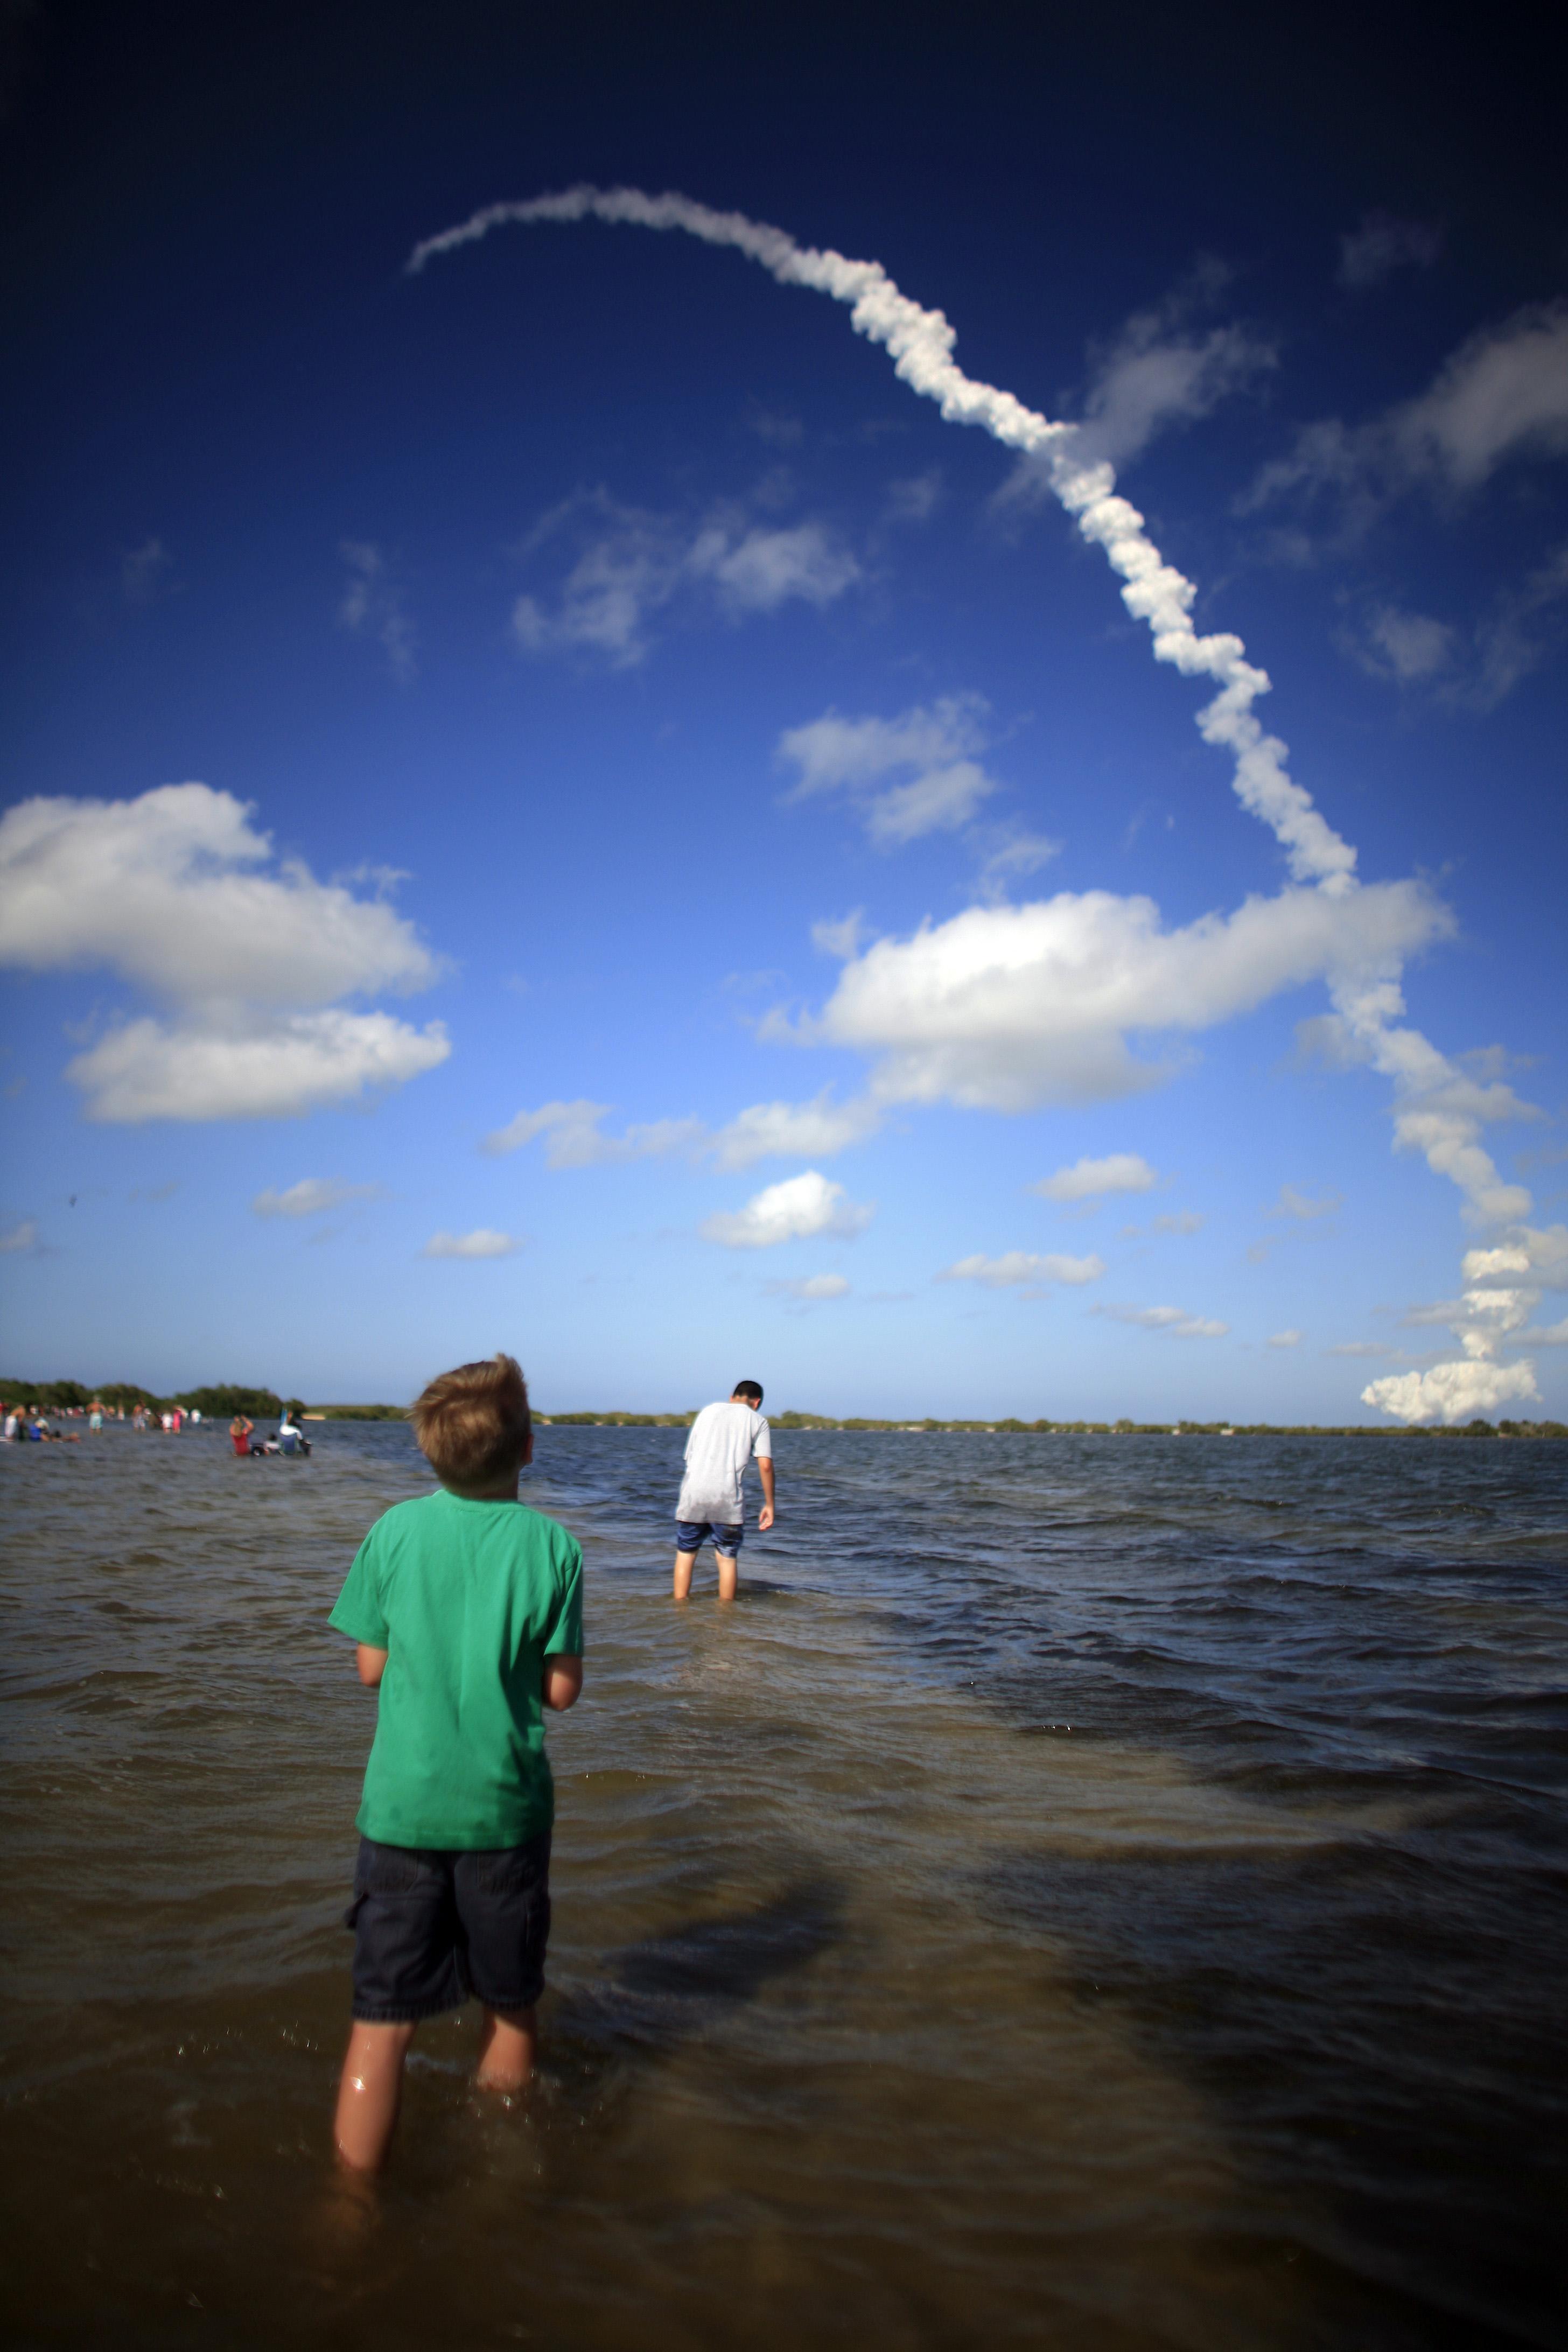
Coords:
468,1599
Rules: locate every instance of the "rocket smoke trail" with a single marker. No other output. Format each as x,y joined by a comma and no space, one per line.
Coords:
1439,1111
921,343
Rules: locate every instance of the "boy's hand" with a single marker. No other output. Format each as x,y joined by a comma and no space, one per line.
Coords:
765,1518
561,1683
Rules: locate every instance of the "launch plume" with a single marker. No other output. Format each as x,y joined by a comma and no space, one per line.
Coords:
1437,1111
921,342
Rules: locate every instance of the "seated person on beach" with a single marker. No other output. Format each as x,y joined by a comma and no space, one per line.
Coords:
467,1609
722,1441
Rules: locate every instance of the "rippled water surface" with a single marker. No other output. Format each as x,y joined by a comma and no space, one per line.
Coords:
1095,1893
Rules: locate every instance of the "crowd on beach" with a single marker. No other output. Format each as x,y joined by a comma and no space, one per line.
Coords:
22,1424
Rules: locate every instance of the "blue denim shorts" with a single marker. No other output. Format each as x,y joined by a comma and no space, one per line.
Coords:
431,1927
690,1534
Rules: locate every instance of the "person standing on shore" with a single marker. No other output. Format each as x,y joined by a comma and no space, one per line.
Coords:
723,1439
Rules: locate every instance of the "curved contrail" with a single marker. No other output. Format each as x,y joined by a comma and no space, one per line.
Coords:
1438,1110
922,344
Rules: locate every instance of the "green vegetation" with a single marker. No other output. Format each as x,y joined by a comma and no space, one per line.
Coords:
222,1402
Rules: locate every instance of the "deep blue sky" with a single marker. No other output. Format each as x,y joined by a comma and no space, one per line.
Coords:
499,595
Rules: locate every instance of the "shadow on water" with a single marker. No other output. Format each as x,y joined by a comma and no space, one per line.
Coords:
669,1989
1323,2002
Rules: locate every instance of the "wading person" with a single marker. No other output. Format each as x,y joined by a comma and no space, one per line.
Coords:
723,1439
467,1609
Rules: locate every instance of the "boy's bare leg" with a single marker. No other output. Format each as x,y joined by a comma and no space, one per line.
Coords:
685,1562
728,1574
507,2051
369,2092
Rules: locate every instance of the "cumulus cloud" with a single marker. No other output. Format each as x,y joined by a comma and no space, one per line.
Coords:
1007,1008
814,1289
481,1243
933,750
1504,1281
1291,1339
575,1136
312,1196
180,895
281,1069
1174,1320
372,606
631,564
1500,397
1451,1393
1023,1270
20,1240
1383,244
1092,1179
798,1209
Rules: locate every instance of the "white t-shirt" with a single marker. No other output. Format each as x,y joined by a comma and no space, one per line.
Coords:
722,1441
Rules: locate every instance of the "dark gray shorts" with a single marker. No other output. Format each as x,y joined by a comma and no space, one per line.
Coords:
432,1925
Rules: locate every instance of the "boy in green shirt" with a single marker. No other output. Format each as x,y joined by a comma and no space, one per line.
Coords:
468,1613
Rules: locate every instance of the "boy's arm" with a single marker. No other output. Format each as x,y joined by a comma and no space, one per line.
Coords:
371,1662
765,1470
561,1683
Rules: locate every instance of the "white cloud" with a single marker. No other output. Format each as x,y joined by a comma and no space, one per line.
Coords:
312,1196
934,749
811,1288
480,1243
21,1240
168,890
1174,1320
777,1131
1293,1202
760,570
632,564
1501,396
1179,1220
1407,647
172,892
1158,372
1091,1179
1451,1393
575,1136
1006,1008
1291,1339
797,1209
1016,854
294,1064
372,606
1382,244
1023,1270
839,939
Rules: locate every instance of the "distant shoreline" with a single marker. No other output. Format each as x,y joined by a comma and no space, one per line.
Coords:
73,1399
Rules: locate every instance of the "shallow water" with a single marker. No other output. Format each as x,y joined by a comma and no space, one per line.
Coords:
1089,1893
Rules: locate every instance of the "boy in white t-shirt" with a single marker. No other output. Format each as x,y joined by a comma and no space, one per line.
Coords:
723,1439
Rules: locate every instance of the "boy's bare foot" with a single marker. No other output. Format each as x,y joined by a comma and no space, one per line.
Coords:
507,2051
